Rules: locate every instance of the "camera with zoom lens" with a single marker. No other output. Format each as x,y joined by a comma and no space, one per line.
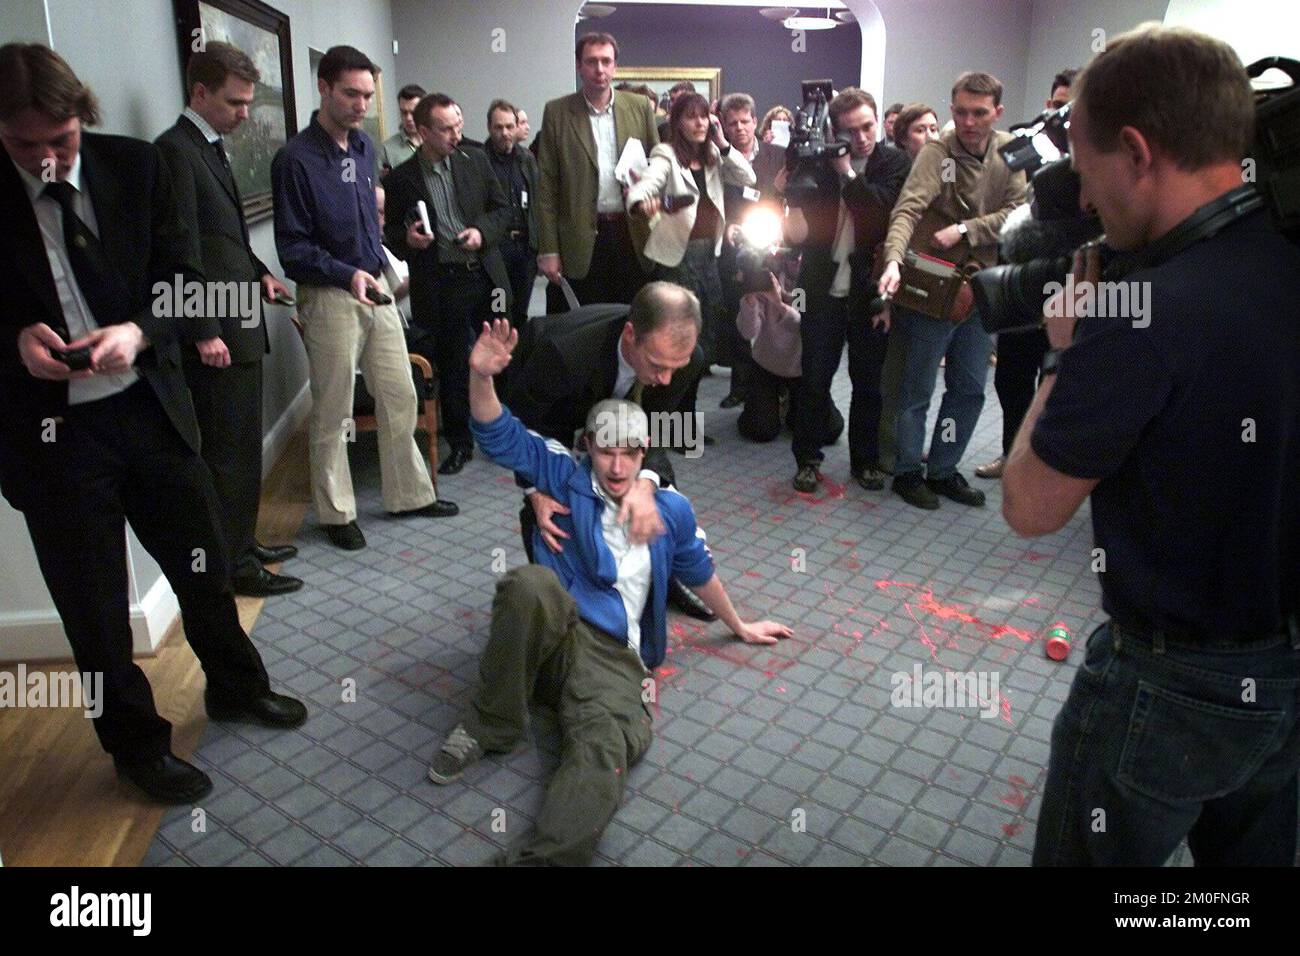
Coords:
812,141
1011,297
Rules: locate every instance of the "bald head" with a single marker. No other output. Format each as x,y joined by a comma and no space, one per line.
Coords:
665,307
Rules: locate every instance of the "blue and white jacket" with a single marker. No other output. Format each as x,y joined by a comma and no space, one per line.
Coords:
586,566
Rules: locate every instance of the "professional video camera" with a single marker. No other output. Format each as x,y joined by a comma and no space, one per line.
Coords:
1011,297
811,138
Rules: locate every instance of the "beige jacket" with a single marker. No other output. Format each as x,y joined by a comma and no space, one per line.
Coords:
982,197
665,176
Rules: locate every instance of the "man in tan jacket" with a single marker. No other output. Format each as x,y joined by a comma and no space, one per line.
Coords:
586,237
962,179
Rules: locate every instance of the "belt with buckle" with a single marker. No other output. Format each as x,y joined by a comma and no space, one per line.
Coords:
518,234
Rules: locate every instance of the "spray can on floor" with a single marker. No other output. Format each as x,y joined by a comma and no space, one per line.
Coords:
1057,644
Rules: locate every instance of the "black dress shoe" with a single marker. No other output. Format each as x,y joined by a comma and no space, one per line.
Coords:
264,583
455,461
168,778
346,536
274,553
688,602
434,509
269,710
956,488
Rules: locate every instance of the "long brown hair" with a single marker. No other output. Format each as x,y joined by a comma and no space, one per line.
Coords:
689,104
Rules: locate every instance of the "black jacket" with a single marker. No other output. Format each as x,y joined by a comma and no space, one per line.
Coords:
869,197
570,362
208,201
145,241
483,205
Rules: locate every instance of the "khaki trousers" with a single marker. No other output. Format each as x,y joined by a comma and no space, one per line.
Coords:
540,650
341,334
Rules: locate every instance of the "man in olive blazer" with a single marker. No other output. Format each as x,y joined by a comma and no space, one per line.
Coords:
586,235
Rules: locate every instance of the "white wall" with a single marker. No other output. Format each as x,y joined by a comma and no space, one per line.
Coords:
127,52
1061,36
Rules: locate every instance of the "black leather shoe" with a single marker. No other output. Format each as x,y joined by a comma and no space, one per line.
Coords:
264,583
685,600
807,478
274,553
733,400
434,509
269,710
346,536
956,488
167,779
454,462
915,492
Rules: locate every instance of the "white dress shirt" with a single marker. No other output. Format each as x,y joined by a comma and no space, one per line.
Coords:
633,563
76,313
609,196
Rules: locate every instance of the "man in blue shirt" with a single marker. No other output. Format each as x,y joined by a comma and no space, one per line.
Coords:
1180,416
581,629
329,241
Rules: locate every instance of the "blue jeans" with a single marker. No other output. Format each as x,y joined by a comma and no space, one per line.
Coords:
1160,740
967,348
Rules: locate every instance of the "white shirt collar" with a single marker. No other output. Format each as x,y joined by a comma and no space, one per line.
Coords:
35,186
591,107
210,134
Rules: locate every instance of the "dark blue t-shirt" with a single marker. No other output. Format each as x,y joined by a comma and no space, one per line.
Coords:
1192,425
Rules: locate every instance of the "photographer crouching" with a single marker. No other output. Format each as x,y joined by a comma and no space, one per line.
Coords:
1183,424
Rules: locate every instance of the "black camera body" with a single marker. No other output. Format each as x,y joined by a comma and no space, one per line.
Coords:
812,141
757,266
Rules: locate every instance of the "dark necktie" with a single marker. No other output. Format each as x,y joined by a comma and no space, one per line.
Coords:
634,393
230,181
101,285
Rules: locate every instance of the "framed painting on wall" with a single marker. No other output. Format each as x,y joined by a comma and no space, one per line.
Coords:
707,79
263,33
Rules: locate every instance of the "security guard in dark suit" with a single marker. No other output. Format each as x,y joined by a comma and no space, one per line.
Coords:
98,428
224,366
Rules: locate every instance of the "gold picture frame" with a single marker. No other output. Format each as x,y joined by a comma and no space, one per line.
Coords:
660,78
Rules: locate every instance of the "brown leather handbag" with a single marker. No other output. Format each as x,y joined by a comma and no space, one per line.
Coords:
931,285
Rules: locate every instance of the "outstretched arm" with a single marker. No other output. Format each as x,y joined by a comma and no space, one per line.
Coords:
751,632
490,356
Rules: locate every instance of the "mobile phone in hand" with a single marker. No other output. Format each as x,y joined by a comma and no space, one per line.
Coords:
377,297
74,359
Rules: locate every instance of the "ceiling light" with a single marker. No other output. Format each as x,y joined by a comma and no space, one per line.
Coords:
779,13
810,23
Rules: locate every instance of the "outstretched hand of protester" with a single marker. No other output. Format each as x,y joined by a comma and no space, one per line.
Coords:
492,351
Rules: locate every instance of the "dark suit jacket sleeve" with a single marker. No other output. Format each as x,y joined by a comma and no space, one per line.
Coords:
170,252
495,218
185,195
885,190
541,395
399,198
652,130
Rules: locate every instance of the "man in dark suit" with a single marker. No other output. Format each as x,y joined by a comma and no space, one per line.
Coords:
517,171
649,354
224,366
90,442
458,278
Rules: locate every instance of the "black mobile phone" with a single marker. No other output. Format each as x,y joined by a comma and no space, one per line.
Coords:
282,299
377,297
75,359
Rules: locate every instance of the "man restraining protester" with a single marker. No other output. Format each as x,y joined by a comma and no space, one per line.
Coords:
99,430
581,630
1182,721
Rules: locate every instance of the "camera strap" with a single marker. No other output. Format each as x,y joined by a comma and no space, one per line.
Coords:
1205,222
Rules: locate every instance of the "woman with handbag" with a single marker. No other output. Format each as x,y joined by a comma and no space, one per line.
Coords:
680,193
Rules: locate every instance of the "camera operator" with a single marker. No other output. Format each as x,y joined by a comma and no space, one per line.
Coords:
1184,427
839,225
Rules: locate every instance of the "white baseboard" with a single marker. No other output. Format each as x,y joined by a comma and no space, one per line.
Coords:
37,636
277,438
